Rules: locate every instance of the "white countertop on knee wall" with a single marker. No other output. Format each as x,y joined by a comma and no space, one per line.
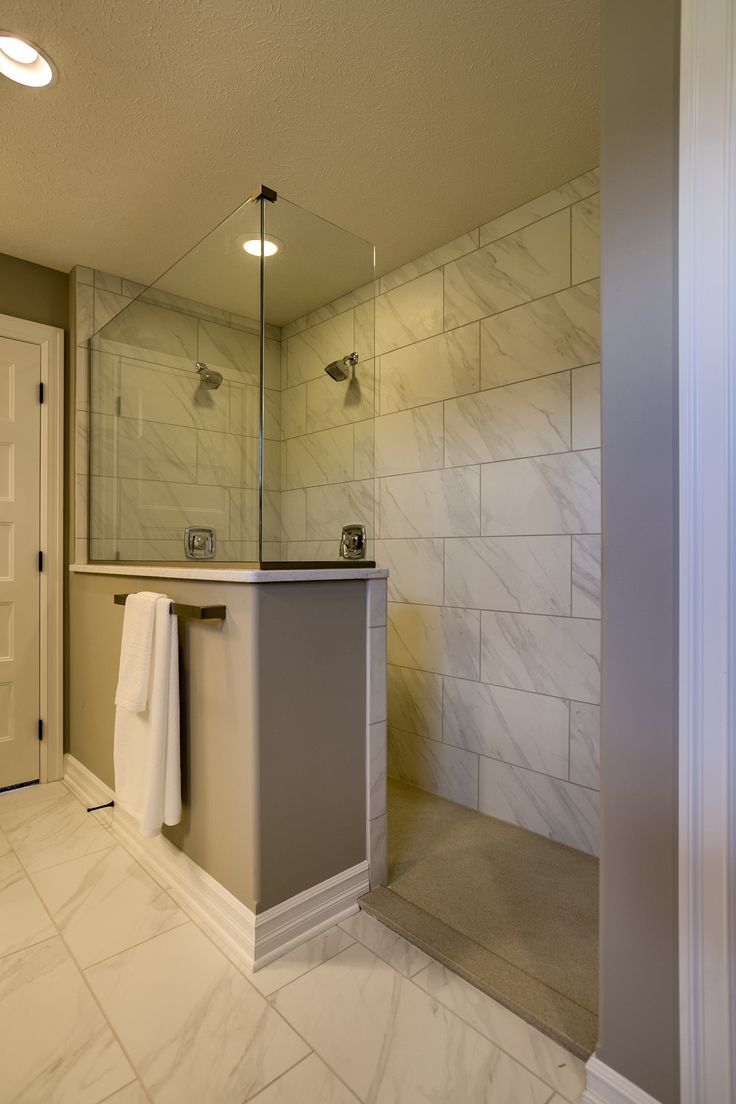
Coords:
225,574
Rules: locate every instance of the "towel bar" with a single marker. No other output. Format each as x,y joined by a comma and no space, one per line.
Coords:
192,613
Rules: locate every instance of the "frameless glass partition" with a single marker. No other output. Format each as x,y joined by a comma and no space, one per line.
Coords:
215,431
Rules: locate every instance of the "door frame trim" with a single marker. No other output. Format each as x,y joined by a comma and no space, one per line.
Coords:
50,340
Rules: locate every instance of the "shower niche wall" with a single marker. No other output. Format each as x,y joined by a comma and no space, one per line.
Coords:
210,407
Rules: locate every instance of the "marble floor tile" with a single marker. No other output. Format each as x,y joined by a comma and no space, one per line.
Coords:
196,1030
4,845
303,958
523,1042
104,903
57,1047
53,832
397,952
23,919
27,796
131,1094
392,1044
311,1082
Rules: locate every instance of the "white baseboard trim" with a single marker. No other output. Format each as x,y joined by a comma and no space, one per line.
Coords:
249,940
605,1086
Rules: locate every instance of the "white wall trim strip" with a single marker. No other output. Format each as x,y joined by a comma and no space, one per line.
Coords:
249,940
605,1086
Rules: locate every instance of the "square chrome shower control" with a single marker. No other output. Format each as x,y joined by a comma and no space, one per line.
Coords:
352,543
199,543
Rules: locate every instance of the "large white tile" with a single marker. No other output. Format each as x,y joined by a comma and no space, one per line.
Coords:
392,948
553,334
538,208
586,249
409,441
525,265
303,958
57,1047
415,701
437,257
415,569
243,514
556,1066
333,402
377,767
131,1094
547,655
352,299
440,367
586,576
233,352
365,329
310,351
516,574
219,459
153,394
105,903
318,458
430,504
585,733
26,797
377,668
409,313
43,835
23,919
392,1044
137,449
528,730
542,495
447,771
193,1026
377,599
153,510
311,1082
330,507
294,515
364,449
150,330
554,808
294,411
586,407
430,638
378,851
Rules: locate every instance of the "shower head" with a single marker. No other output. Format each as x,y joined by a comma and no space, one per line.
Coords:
340,369
208,377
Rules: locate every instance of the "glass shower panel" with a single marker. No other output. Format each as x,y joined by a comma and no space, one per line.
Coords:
319,424
175,408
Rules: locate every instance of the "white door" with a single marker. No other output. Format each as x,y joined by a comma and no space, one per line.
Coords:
20,501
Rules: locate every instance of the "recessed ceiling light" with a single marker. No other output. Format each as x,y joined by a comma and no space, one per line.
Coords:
253,246
24,63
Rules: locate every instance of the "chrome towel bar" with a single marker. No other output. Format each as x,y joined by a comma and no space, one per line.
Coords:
191,613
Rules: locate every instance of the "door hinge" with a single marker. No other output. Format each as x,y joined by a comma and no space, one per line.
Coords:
40,560
40,729
118,405
42,392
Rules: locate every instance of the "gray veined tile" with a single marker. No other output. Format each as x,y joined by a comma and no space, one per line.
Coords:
294,411
430,638
554,808
528,730
430,504
392,1044
318,458
219,459
282,971
29,797
585,732
586,218
466,243
245,411
514,574
153,510
313,348
105,903
440,367
586,407
151,394
57,1046
294,515
46,834
409,313
586,576
547,655
543,495
365,329
23,919
415,569
131,1094
525,419
525,265
330,507
333,403
225,349
243,514
85,312
553,334
415,701
377,602
196,1034
377,673
409,441
151,331
377,765
134,448
108,304
547,1059
377,851
344,303
310,1081
364,449
403,956
538,208
449,772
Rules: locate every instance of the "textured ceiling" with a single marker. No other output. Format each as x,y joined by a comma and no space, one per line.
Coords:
406,122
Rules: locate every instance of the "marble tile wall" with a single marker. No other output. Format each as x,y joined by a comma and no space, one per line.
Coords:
154,451
469,442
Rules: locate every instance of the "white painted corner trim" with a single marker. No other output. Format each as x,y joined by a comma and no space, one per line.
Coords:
50,341
250,940
605,1086
707,552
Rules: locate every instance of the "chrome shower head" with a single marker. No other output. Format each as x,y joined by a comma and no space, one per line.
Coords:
208,377
340,369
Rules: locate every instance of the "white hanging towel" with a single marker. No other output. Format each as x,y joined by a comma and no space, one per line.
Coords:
146,752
